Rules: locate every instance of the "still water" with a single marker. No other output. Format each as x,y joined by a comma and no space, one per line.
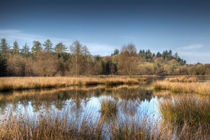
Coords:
131,102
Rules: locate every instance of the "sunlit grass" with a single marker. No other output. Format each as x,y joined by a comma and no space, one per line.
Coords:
108,107
189,109
57,126
178,87
182,79
22,83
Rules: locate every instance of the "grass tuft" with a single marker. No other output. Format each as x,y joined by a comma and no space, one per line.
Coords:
189,109
108,107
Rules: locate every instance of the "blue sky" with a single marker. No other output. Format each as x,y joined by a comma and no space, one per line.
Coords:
179,25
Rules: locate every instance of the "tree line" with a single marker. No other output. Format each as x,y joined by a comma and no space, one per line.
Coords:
53,60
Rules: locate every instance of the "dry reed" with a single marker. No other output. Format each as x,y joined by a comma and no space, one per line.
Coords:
182,79
186,109
177,87
53,126
22,83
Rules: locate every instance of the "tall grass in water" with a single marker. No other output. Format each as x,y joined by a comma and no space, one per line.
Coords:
108,108
22,83
52,126
60,127
187,109
189,116
177,87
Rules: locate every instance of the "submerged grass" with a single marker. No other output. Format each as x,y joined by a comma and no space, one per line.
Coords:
187,109
23,83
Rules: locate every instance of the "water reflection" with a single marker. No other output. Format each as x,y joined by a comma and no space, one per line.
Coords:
81,103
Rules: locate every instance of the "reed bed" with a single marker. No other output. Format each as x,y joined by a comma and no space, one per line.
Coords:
187,109
23,83
177,87
182,79
53,126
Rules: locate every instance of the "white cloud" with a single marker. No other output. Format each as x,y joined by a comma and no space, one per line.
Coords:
191,47
194,53
102,49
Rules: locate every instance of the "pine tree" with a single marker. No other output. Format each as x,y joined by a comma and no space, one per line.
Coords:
48,46
4,48
15,48
25,50
36,47
60,48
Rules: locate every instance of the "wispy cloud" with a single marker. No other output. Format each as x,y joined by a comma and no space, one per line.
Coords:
102,49
21,37
194,53
191,47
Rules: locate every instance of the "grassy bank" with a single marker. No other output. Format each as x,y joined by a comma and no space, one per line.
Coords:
179,87
23,83
186,109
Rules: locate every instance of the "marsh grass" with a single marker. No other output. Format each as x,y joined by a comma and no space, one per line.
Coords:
192,110
53,126
60,127
178,87
108,107
24,83
182,79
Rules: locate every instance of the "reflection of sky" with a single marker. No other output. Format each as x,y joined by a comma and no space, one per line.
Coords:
126,109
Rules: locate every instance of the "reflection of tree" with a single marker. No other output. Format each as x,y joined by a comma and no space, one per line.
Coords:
36,105
80,98
3,105
133,94
24,101
47,106
59,104
14,105
129,107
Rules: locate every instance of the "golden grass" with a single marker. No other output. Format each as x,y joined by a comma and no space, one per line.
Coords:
108,107
187,109
21,83
53,126
177,87
182,79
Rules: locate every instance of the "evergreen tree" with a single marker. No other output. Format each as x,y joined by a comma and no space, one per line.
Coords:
25,50
4,48
48,46
60,48
116,51
36,47
158,54
3,65
15,48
